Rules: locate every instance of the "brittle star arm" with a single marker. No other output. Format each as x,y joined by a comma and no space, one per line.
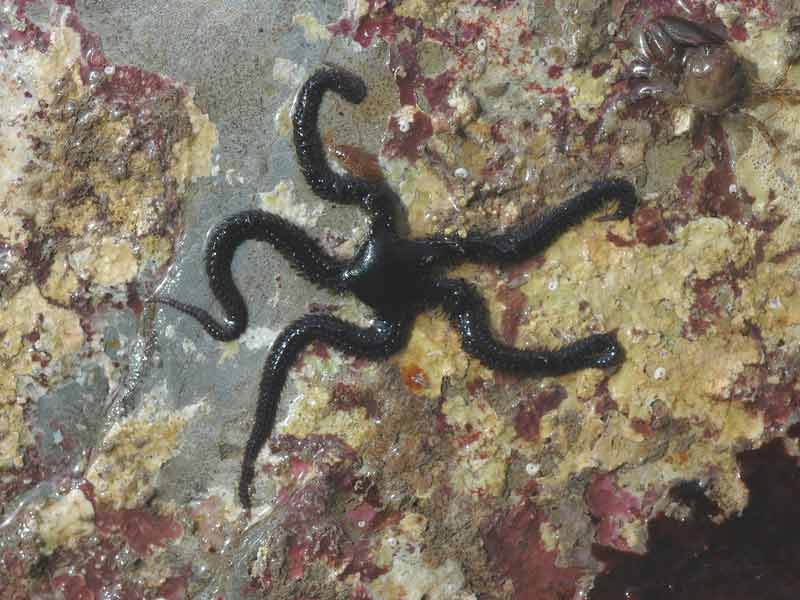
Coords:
304,254
524,241
381,340
327,184
467,312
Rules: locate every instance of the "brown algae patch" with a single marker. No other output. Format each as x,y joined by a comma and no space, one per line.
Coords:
89,193
408,575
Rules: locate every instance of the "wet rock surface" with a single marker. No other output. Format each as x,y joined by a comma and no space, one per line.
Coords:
127,132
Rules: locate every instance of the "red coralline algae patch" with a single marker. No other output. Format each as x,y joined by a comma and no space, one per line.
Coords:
514,547
719,194
406,138
738,33
123,84
598,69
93,570
107,564
530,412
93,573
555,71
29,36
515,302
706,308
15,481
650,227
174,588
327,516
403,62
611,507
370,26
436,89
143,531
777,402
753,555
14,583
602,400
719,197
103,569
770,388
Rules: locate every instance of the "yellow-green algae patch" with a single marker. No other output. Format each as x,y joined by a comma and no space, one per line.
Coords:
192,154
125,469
590,92
767,50
109,262
643,290
424,193
645,293
429,11
433,353
14,436
62,282
58,335
65,520
485,444
313,30
312,412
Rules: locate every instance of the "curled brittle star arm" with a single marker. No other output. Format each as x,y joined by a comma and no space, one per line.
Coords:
327,184
381,340
304,254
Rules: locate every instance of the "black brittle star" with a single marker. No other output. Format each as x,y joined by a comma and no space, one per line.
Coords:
395,276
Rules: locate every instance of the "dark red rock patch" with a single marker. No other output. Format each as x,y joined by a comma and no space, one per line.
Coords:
753,556
530,412
514,547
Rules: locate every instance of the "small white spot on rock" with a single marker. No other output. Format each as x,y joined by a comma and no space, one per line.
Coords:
461,173
532,469
552,285
405,118
774,303
660,373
